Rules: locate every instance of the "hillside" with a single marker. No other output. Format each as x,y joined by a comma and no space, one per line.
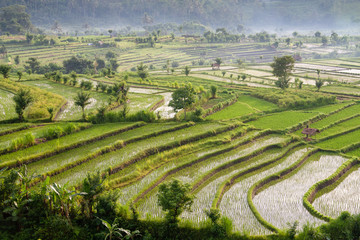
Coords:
258,14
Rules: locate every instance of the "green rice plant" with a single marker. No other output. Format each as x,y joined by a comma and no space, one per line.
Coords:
282,120
340,140
61,162
235,110
340,126
54,132
133,152
14,127
343,114
19,143
65,143
256,103
234,204
202,149
332,108
204,192
190,173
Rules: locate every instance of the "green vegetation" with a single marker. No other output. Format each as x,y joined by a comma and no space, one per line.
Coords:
179,102
283,120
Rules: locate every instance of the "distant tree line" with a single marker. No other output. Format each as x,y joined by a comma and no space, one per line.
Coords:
208,12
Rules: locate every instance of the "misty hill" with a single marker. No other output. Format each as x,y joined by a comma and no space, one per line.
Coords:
256,14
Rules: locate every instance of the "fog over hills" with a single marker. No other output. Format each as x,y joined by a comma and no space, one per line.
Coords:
254,15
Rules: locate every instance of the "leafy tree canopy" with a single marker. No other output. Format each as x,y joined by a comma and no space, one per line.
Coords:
15,20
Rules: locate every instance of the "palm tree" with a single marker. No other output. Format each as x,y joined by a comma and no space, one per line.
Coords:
22,100
82,100
115,231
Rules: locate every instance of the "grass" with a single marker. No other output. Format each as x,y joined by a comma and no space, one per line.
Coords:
282,120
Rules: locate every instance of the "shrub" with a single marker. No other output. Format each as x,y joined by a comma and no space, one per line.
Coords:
70,128
53,132
26,141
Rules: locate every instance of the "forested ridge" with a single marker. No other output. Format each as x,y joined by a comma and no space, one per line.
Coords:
252,13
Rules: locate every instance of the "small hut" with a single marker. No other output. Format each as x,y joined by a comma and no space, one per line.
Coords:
215,66
309,132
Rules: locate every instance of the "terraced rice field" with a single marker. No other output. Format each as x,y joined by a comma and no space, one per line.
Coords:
198,170
7,105
282,203
138,101
345,197
283,120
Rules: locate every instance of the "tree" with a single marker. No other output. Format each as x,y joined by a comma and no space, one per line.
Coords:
319,82
110,55
282,67
318,34
73,76
243,77
213,90
295,34
33,64
19,73
114,231
22,100
187,70
142,71
17,60
174,198
324,40
5,70
51,112
218,61
78,65
223,73
288,40
110,32
182,98
114,65
15,20
92,185
82,100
